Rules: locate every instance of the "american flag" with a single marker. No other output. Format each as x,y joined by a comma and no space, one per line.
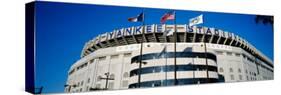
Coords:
168,16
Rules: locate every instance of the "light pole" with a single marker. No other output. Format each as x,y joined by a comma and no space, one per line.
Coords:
106,79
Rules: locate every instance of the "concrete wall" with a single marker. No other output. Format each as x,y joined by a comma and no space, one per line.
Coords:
117,61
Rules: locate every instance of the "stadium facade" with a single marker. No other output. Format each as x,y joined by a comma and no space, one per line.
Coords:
111,60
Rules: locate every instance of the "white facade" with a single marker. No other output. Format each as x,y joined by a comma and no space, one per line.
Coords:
229,59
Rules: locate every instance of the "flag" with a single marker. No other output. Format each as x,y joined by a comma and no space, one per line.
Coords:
196,20
138,18
168,16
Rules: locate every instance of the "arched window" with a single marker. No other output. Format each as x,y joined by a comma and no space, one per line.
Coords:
232,77
230,70
125,83
112,76
239,70
111,85
221,70
240,77
125,75
82,83
89,80
78,84
99,78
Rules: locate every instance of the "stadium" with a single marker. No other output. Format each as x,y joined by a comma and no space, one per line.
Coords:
155,56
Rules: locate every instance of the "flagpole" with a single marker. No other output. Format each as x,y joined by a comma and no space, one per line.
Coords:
205,50
175,50
166,64
140,60
165,46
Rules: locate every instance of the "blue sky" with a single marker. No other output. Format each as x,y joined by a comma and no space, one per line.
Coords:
62,30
